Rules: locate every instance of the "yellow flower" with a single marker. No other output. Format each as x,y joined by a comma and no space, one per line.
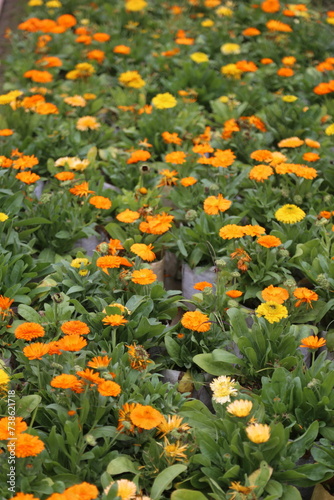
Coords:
222,388
135,5
224,11
272,311
4,379
289,98
53,4
289,214
125,489
35,3
230,48
258,433
199,57
131,79
330,129
164,101
240,407
330,20
175,451
231,70
223,99
11,96
207,23
79,261
3,217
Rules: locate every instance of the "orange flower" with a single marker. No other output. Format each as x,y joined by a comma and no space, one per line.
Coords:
6,132
312,342
156,224
101,37
38,76
75,327
29,331
305,295
262,155
114,246
253,230
90,376
27,445
275,294
234,294
65,381
286,72
121,49
111,262
311,157
87,123
202,284
27,177
269,241
274,25
305,172
72,343
100,202
109,388
251,32
67,20
312,144
289,60
124,416
171,138
223,158
188,181
260,173
171,53
246,66
24,161
143,251
35,350
82,491
64,176
5,303
291,142
81,189
231,231
114,320
196,321
99,362
203,148
270,6
143,277
19,426
139,155
177,157
76,101
96,55
50,62
146,417
266,60
139,358
215,204
128,216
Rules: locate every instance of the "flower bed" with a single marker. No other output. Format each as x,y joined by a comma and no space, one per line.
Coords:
142,142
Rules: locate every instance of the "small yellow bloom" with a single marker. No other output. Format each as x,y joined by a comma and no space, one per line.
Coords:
135,5
3,217
164,101
240,407
223,387
330,20
272,311
330,129
224,12
289,98
258,433
223,99
290,214
230,48
199,57
231,70
35,3
4,379
79,261
53,4
207,23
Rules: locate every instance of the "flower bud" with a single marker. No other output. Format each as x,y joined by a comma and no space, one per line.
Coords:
289,283
90,440
235,274
220,263
284,252
103,247
321,222
285,192
327,198
191,215
298,199
323,282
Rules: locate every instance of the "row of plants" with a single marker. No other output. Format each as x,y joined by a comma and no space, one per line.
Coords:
166,234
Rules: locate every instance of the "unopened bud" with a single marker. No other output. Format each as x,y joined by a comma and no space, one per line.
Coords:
191,215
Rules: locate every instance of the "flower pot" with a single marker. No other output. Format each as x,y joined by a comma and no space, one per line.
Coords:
320,493
191,276
158,268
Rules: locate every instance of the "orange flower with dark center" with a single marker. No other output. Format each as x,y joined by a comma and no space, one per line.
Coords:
99,362
196,321
215,204
234,294
312,342
128,216
64,176
29,331
202,284
19,426
72,343
305,295
139,357
176,157
146,417
143,277
231,231
114,320
143,251
137,156
269,241
100,202
26,445
75,327
90,376
27,177
260,173
36,350
109,388
275,294
81,189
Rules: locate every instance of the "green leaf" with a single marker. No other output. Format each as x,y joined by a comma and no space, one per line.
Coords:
187,495
116,231
290,493
26,405
29,314
31,222
120,465
226,357
207,363
164,480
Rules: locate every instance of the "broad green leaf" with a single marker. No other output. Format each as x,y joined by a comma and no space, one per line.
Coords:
164,480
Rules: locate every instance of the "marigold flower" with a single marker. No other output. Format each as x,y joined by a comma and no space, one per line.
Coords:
19,426
253,230
64,176
202,284
270,6
101,37
126,489
38,76
223,388
122,49
76,101
4,379
171,138
96,55
35,350
312,143
231,70
75,327
29,331
260,173
65,381
72,343
146,417
164,101
215,204
156,224
124,416
258,433
143,251
240,407
305,295
67,20
114,320
291,142
3,217
199,57
131,79
272,311
27,445
128,216
290,214
5,302
312,342
231,231
234,294
251,32
27,177
188,181
143,277
87,123
81,190
135,6
269,241
275,294
230,48
330,129
176,157
100,202
274,25
285,72
6,132
139,155
196,321
109,388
